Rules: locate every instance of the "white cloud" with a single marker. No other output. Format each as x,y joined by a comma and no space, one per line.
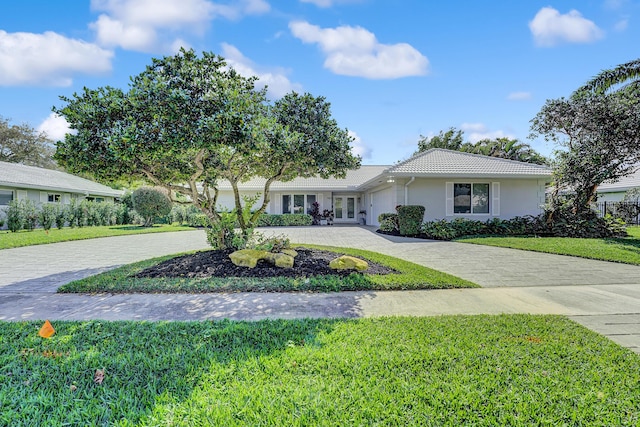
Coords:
355,51
549,28
148,25
475,132
328,3
55,127
48,59
519,96
621,25
358,147
278,84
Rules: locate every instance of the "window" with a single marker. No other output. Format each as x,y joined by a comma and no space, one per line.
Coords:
297,203
53,198
5,197
471,198
311,199
286,204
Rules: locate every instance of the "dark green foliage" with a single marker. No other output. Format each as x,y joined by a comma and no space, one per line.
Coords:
62,215
410,219
284,220
47,215
15,216
388,222
150,204
565,224
222,234
31,214
187,122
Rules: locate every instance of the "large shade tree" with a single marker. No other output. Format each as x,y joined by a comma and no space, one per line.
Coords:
598,136
187,122
23,144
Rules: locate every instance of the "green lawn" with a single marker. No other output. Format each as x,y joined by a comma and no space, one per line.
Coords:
409,276
508,370
625,250
40,237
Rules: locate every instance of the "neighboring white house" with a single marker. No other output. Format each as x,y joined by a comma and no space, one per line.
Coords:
449,184
18,182
615,191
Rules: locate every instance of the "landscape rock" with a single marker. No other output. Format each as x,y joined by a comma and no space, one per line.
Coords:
290,252
346,262
281,260
247,257
250,257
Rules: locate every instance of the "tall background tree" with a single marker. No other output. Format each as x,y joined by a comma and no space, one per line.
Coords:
597,132
624,77
504,148
188,122
23,144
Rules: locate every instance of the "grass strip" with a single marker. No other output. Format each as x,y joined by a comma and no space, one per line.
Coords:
624,250
502,370
41,237
409,276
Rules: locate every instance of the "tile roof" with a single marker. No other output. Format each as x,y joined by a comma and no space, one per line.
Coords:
623,184
21,176
352,181
438,162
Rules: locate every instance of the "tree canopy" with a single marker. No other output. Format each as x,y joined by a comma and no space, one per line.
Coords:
504,148
599,139
186,123
624,77
23,144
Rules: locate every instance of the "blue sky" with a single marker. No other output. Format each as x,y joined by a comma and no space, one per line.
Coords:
392,70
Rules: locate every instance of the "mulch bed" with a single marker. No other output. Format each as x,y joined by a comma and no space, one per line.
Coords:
309,262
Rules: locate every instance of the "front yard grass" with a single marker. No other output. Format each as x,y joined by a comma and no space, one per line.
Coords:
410,276
502,370
40,236
625,250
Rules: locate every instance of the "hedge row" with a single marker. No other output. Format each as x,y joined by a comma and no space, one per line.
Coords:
285,220
562,226
24,214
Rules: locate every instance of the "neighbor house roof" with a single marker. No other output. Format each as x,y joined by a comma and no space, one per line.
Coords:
623,184
352,181
438,162
29,177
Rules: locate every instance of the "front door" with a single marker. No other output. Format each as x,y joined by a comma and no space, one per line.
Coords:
344,209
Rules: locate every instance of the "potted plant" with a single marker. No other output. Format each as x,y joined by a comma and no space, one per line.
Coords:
327,216
363,217
315,213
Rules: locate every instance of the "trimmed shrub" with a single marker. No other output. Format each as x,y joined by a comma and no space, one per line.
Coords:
150,204
388,222
284,220
15,216
62,214
31,214
48,214
410,219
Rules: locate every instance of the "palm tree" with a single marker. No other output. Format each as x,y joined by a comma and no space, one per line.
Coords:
627,74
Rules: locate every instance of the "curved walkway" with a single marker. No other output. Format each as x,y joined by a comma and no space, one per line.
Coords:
601,295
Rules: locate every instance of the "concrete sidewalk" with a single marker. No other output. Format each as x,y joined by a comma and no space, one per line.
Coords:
600,295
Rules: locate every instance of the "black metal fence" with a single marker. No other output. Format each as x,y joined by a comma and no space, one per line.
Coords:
627,211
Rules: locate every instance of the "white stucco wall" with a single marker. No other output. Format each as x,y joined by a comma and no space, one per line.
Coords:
518,197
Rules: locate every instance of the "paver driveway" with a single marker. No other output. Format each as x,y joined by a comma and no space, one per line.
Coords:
601,295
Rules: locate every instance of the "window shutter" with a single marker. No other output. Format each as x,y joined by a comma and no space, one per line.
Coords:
449,199
44,197
495,198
